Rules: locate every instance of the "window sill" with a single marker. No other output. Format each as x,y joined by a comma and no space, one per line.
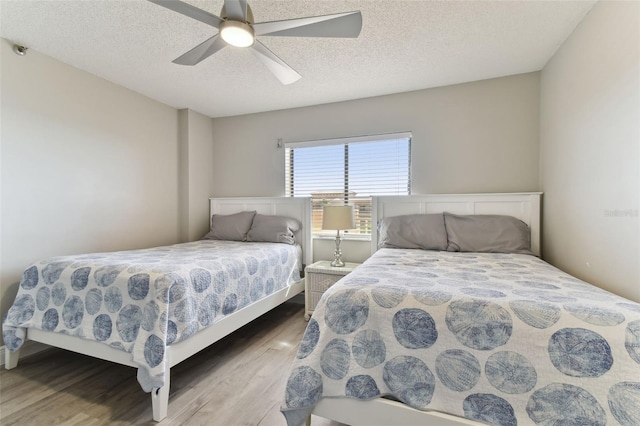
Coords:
346,237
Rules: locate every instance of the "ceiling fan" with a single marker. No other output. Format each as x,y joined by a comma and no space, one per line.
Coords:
236,27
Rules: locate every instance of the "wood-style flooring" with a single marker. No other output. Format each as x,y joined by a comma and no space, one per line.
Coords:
237,381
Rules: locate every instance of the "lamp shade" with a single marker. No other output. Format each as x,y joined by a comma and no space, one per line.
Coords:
338,217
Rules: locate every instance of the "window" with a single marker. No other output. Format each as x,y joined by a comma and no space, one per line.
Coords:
349,171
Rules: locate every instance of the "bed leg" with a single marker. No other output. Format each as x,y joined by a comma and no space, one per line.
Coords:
307,422
160,400
11,359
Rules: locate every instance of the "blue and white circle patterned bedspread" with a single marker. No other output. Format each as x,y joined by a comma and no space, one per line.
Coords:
503,339
141,301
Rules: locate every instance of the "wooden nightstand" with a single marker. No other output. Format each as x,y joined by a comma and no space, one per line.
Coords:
319,277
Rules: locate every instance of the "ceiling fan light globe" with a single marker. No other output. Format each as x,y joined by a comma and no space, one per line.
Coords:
236,33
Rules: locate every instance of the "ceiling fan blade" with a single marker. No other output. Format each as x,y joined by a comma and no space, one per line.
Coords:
190,11
236,9
346,24
201,51
277,66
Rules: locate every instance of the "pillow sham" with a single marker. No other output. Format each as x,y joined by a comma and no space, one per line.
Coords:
273,229
231,227
487,233
414,231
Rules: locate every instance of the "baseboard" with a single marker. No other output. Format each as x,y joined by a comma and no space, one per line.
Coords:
29,348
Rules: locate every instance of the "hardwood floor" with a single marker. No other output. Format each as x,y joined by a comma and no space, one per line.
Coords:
237,381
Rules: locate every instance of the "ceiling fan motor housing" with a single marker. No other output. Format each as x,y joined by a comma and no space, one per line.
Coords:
223,14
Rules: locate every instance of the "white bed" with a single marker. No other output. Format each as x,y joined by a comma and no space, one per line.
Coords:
384,412
338,368
297,208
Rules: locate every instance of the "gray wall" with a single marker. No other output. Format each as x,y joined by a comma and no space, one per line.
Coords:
196,174
474,137
590,150
86,166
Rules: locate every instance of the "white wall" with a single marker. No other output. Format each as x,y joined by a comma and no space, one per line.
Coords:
86,166
590,150
474,137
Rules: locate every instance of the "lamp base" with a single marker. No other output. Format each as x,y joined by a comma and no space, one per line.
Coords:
337,261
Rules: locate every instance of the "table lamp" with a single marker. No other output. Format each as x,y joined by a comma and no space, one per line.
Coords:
338,218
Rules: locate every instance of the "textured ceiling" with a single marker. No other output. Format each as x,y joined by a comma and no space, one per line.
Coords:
403,46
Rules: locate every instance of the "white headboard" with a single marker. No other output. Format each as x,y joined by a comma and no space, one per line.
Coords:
297,208
524,206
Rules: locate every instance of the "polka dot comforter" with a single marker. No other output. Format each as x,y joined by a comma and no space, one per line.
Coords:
502,339
142,301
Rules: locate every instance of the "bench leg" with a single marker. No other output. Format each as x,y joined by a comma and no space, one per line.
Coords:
11,359
160,400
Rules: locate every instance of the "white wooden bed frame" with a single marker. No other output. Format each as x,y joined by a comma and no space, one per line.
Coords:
384,412
299,208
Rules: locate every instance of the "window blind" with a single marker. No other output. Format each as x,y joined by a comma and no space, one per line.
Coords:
349,171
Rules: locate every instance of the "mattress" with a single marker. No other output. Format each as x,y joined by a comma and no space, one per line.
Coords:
502,339
142,301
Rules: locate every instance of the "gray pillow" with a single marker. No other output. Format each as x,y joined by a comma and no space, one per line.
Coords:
487,233
273,229
232,227
414,231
